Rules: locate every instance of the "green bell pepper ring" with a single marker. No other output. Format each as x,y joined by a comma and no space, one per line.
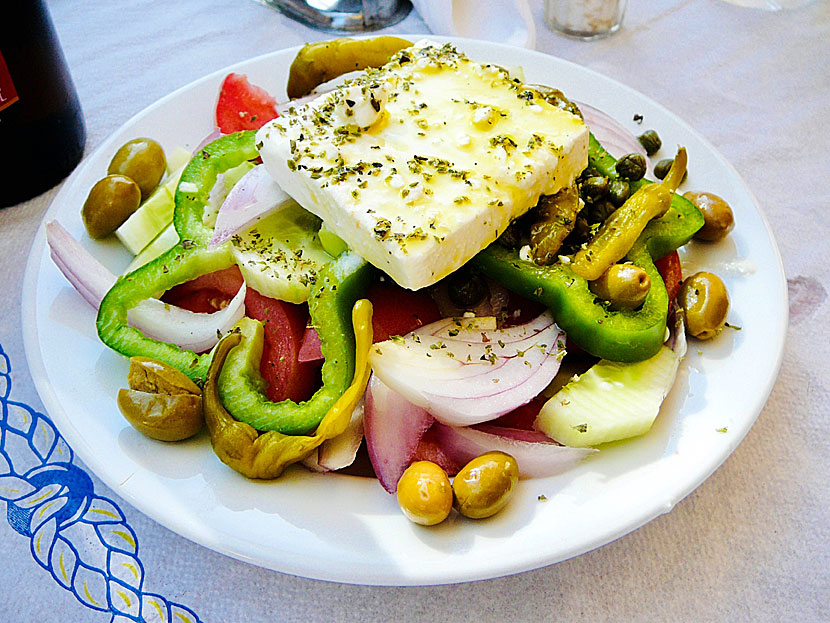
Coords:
621,335
266,455
332,297
339,285
189,259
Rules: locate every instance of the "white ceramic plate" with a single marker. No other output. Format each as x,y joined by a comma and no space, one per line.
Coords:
348,529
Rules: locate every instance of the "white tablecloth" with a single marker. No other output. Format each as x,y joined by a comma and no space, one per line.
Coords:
751,544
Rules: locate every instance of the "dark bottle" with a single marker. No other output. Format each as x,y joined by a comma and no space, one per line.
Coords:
41,126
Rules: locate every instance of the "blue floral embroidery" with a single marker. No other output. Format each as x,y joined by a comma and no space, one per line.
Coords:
81,538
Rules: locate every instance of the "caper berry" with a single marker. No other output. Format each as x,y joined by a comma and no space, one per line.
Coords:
717,215
166,417
425,493
705,302
110,202
618,192
631,167
142,160
149,375
484,486
594,188
650,141
625,286
466,288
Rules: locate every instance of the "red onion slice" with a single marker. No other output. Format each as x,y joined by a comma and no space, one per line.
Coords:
255,196
188,330
536,455
158,320
393,427
217,133
462,375
339,452
87,275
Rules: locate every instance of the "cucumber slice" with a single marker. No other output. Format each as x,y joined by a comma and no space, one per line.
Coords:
167,239
281,255
176,160
611,401
148,221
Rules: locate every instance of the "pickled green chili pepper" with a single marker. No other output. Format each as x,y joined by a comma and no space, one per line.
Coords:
621,229
618,335
339,284
266,455
556,215
320,62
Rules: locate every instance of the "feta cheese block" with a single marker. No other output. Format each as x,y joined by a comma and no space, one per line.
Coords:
422,163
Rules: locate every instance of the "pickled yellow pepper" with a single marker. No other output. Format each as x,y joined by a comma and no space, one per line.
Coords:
621,229
266,455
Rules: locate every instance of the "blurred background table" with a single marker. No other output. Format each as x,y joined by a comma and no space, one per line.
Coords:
750,544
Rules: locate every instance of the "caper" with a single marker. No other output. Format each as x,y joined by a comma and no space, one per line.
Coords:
164,417
600,210
618,192
110,202
631,167
484,485
593,188
625,286
650,141
149,375
425,493
466,288
717,215
705,303
662,168
142,160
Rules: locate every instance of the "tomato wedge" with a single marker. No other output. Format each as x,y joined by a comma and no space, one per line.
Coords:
284,323
208,293
397,311
243,106
672,273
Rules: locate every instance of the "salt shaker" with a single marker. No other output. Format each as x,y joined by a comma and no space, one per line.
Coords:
585,19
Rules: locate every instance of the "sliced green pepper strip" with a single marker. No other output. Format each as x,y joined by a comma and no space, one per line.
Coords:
339,284
622,335
266,455
189,259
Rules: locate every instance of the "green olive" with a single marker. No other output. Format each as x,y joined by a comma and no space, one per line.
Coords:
110,202
425,493
618,192
717,215
466,288
625,286
650,141
142,160
149,375
162,416
631,167
593,188
484,485
705,302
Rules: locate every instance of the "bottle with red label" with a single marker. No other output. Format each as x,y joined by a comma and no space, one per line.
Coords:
41,126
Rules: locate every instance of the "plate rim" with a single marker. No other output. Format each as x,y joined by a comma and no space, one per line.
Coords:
47,393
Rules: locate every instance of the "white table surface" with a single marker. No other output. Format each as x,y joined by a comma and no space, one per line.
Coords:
750,544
